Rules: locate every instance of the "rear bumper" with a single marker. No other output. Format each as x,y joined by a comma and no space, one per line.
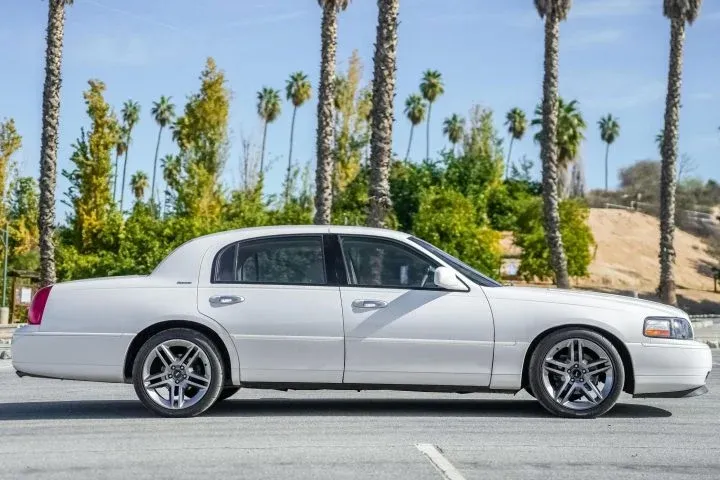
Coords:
672,369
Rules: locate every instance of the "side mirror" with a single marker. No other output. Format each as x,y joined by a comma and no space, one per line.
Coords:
447,279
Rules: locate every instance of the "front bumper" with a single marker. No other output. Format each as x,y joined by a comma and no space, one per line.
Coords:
670,369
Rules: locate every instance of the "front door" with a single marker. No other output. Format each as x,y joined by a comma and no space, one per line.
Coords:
400,328
276,299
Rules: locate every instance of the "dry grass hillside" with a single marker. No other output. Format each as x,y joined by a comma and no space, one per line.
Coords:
626,260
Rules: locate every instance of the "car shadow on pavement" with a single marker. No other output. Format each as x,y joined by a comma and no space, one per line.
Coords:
114,409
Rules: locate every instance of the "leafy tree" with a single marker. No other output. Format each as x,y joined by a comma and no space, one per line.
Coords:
553,12
443,220
23,232
408,181
415,112
269,108
680,13
89,192
163,112
383,118
50,126
130,115
431,88
298,90
138,184
325,129
454,129
120,149
10,142
516,123
609,132
536,258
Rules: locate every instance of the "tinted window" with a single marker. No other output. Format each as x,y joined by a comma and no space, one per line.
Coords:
376,262
284,260
458,265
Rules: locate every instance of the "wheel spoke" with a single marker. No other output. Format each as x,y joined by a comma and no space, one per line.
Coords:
593,388
571,350
155,381
587,393
569,392
198,380
177,396
165,355
579,350
551,368
559,392
599,367
190,354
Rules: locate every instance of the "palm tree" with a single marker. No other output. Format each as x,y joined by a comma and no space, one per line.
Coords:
120,148
139,183
431,88
384,80
609,132
269,108
49,142
415,112
298,91
131,115
659,140
164,112
553,12
516,122
326,102
680,13
454,128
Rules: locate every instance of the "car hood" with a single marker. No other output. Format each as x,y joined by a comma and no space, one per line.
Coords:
584,298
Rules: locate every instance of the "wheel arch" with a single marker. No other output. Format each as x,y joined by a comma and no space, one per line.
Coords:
144,335
619,345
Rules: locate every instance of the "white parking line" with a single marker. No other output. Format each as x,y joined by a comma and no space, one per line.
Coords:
446,469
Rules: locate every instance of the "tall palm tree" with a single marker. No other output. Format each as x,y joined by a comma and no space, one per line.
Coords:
138,184
384,80
164,113
120,148
609,132
130,115
415,112
431,88
516,122
269,108
553,12
659,140
326,103
680,13
298,90
49,142
454,129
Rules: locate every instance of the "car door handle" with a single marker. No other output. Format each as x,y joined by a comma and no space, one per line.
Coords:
222,300
369,304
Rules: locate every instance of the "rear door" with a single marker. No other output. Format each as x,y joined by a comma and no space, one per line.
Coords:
400,328
275,297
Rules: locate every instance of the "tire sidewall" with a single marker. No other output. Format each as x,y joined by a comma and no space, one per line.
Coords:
216,378
536,374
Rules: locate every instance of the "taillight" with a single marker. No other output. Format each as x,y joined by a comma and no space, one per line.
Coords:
37,306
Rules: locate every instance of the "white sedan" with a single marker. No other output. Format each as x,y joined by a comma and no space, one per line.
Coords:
355,309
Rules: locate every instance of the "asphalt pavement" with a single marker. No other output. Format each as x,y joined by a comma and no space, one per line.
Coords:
75,430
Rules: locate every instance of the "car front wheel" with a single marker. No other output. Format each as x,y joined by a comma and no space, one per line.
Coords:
576,373
178,373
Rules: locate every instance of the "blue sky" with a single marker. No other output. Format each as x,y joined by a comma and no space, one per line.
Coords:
614,59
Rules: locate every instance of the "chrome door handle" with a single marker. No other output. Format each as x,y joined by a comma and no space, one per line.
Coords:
222,300
369,304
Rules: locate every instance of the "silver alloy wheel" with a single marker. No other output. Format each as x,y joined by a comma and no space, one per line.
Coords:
176,374
578,373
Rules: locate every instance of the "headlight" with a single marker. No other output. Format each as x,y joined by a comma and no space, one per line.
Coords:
668,327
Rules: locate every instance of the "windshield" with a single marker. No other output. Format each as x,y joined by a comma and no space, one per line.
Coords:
458,265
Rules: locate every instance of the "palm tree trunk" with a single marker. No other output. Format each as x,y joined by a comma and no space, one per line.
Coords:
289,169
49,142
427,143
326,128
384,80
507,166
607,153
668,175
115,175
125,162
412,131
157,151
262,154
549,151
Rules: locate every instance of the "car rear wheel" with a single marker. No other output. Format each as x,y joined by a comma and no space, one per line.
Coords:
576,373
178,373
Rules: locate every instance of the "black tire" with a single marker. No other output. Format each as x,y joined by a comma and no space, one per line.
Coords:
214,365
226,393
540,392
